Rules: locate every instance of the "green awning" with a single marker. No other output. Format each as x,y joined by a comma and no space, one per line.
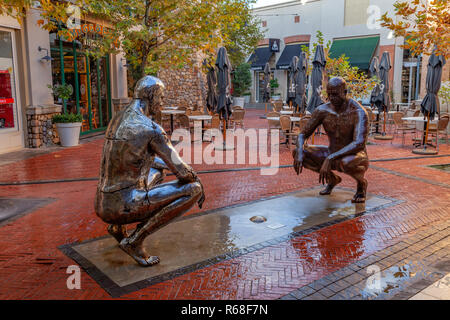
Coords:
359,50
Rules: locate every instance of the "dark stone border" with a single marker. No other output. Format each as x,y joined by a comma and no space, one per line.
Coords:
408,176
116,291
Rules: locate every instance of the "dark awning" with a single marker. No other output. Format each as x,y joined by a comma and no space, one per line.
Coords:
359,50
259,58
290,51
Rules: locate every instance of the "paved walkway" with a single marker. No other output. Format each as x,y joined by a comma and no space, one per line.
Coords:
395,252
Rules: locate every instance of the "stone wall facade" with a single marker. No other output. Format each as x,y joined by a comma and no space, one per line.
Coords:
41,130
185,87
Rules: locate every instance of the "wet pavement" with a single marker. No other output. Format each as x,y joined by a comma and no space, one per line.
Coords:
312,249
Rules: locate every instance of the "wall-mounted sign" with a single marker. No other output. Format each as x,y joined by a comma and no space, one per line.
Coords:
89,32
274,45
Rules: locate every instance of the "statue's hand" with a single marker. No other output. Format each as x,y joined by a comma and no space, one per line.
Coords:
298,160
325,172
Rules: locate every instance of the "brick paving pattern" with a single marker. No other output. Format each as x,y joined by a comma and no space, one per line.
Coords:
329,263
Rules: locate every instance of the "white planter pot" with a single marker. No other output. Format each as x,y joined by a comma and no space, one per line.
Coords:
238,101
69,133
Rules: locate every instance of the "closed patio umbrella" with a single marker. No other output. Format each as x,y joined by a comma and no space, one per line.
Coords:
224,84
300,83
292,70
266,96
374,72
211,97
319,63
382,100
266,93
430,104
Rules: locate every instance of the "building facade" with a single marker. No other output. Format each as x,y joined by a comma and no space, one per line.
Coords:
31,59
352,28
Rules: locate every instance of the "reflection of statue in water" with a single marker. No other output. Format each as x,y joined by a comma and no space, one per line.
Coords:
346,124
130,188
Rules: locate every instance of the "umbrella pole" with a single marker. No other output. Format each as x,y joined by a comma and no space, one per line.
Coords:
426,131
383,135
224,129
266,107
425,150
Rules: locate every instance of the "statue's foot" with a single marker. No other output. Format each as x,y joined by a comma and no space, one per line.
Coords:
138,253
119,232
359,197
330,187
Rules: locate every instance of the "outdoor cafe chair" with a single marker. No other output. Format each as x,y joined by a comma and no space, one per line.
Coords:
287,130
441,129
273,124
401,126
373,122
238,118
214,125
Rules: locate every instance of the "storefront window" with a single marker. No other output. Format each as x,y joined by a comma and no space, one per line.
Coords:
8,104
410,77
88,76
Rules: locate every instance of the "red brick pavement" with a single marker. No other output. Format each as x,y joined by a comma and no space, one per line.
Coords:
32,267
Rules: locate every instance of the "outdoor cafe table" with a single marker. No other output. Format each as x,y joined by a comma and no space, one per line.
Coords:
202,118
420,119
172,112
286,112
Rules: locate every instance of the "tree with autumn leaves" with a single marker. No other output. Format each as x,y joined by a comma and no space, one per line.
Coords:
157,34
359,84
425,24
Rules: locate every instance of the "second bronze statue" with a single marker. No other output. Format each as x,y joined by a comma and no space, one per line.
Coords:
346,123
135,154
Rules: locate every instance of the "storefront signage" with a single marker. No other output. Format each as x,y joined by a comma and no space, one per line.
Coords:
274,45
7,101
89,32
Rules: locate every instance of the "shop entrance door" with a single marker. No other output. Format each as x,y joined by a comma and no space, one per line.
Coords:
90,80
11,133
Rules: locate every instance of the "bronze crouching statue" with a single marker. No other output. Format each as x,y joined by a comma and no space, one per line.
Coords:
135,154
346,124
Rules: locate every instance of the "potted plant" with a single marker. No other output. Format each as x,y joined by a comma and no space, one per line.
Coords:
61,91
68,126
242,80
273,86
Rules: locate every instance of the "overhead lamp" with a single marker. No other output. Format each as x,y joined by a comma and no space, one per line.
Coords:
46,58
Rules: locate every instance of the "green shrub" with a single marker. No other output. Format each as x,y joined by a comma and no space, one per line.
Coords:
242,79
67,118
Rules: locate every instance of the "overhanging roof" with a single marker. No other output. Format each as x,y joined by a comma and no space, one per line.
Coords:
359,50
290,51
259,58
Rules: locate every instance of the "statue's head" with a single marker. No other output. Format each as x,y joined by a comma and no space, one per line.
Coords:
150,90
337,91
